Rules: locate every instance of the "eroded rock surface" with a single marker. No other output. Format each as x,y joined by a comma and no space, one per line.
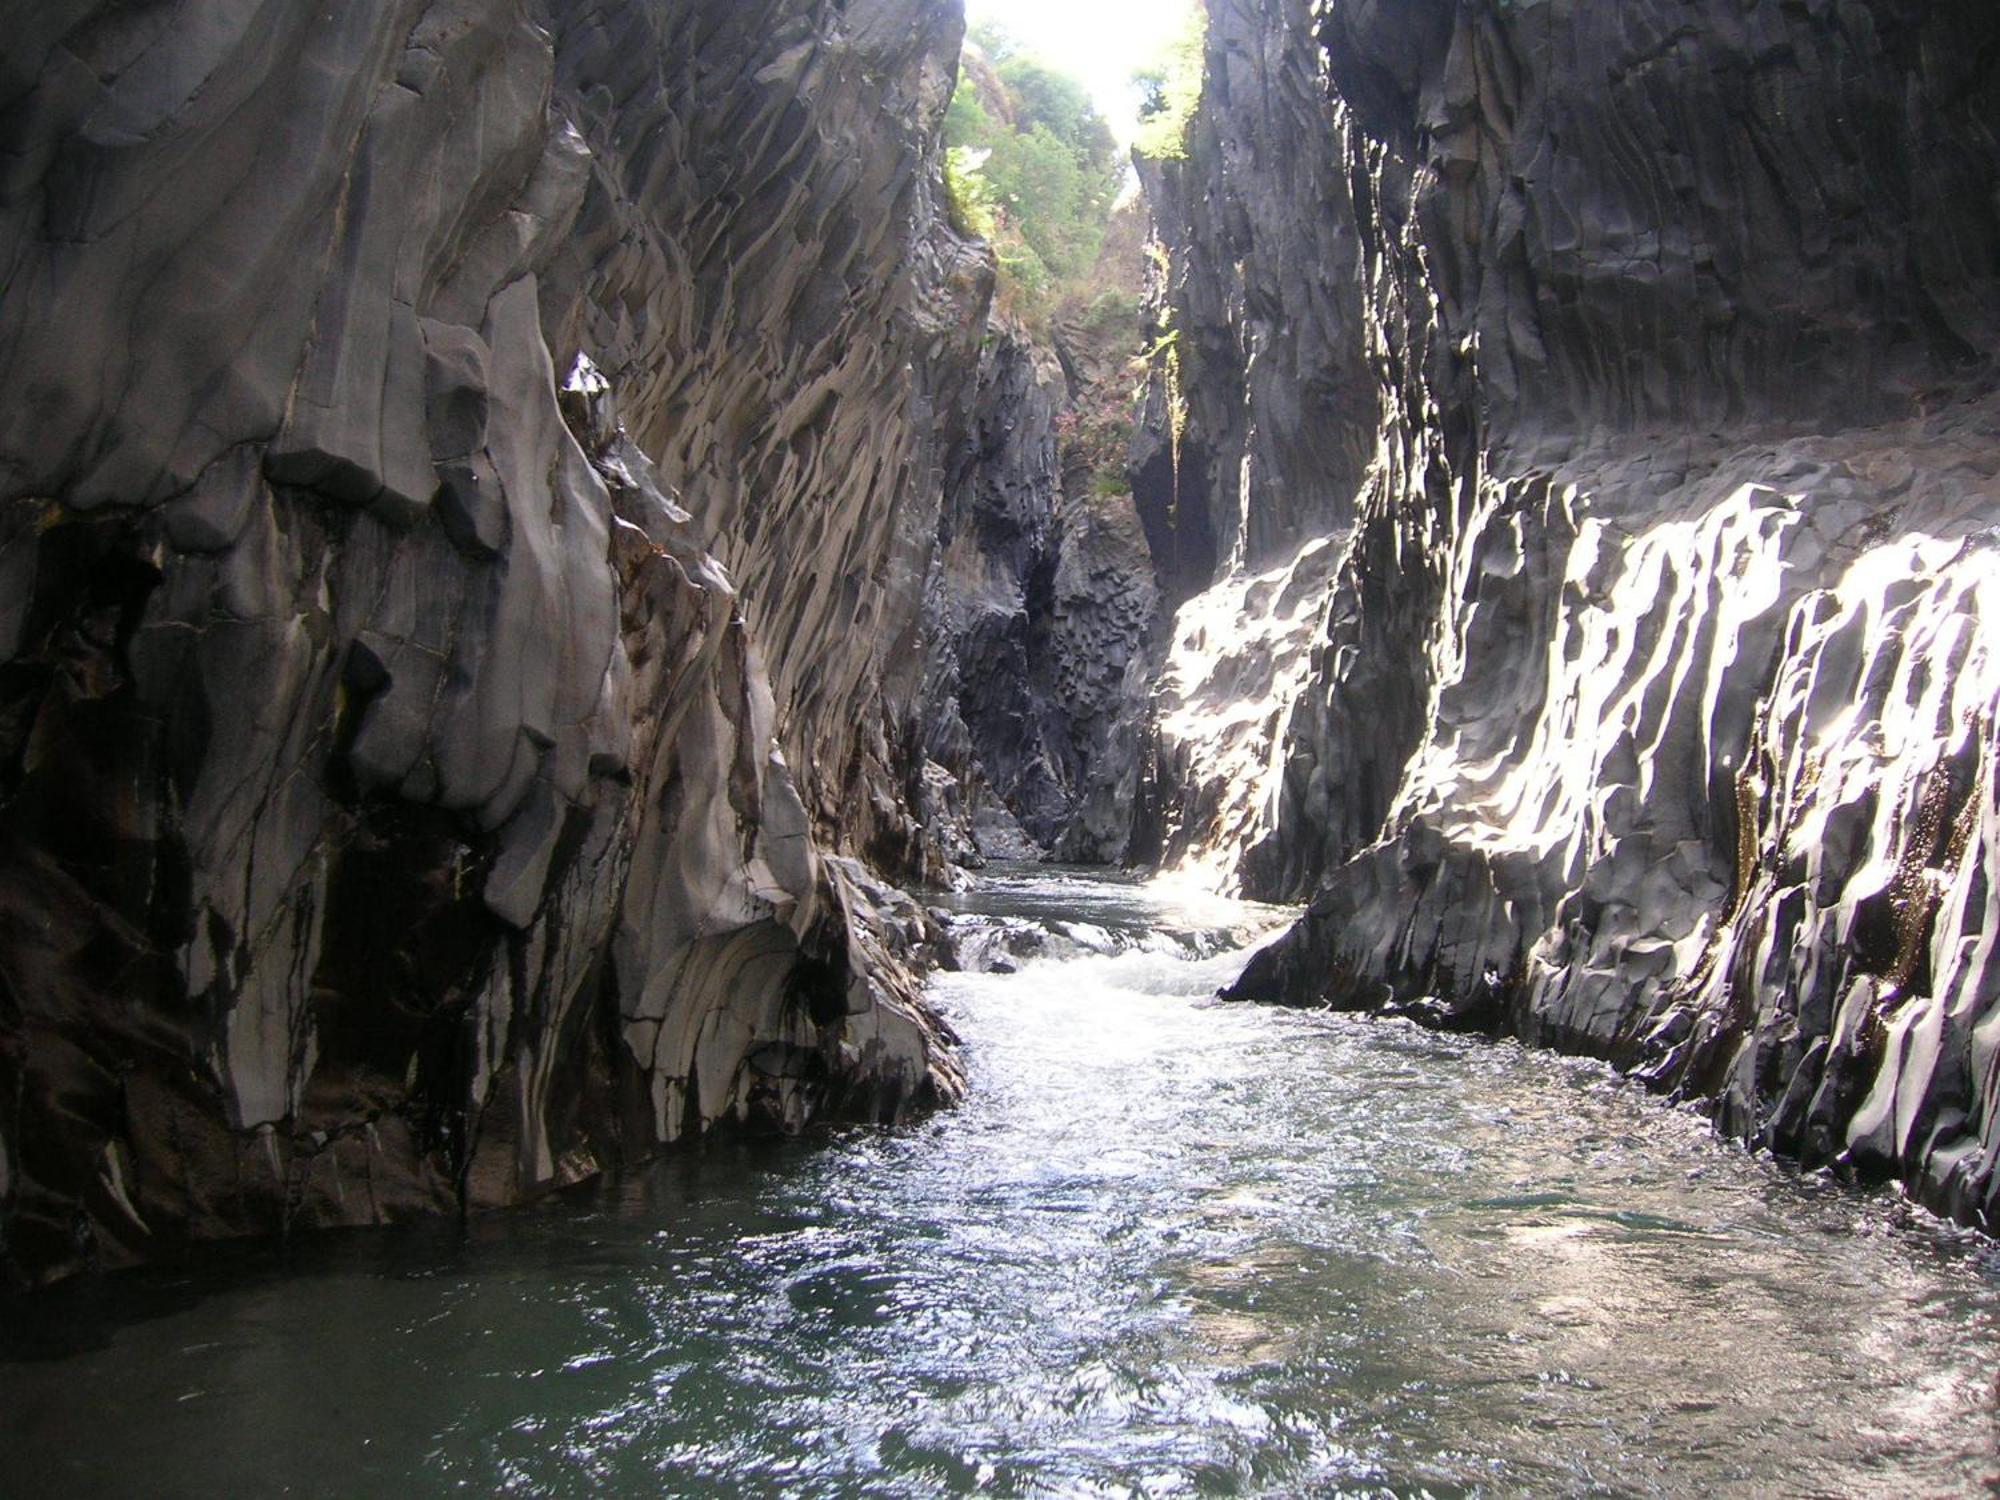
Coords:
411,794
1043,614
1649,708
1260,423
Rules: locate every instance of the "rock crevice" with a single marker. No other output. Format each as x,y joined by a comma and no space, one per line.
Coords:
1042,613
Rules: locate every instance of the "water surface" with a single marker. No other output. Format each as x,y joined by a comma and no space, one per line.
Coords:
1170,1247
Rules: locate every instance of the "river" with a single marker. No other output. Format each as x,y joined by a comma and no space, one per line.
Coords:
1169,1247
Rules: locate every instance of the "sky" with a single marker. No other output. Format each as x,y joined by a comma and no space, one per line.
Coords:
1097,42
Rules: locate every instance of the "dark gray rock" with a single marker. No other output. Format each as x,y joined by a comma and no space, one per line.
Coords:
762,268
1647,702
411,795
1263,299
1042,616
1260,426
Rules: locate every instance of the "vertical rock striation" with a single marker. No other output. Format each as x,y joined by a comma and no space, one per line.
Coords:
1651,708
1042,608
412,795
764,271
1261,420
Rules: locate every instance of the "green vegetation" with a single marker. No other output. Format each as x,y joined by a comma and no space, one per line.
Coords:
1170,89
1031,168
969,194
1095,433
1101,324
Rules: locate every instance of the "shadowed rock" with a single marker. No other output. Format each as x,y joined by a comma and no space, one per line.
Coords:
1041,613
413,796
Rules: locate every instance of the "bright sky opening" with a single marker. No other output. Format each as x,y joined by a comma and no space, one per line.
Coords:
1098,42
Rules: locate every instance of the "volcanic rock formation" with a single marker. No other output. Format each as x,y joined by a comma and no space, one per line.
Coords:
1042,613
1593,410
514,523
412,796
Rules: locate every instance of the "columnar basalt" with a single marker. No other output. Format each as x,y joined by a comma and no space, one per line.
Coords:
515,520
1651,710
1042,610
1261,420
763,269
411,795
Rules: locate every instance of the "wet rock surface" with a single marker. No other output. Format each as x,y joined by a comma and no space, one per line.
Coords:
412,795
1649,706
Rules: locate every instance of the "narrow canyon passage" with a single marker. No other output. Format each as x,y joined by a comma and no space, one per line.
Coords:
830,748
1168,1246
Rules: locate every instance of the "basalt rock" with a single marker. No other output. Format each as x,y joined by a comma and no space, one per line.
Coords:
1042,611
419,784
1260,422
1650,706
764,271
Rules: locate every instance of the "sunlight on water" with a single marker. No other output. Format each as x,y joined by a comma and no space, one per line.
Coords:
1170,1247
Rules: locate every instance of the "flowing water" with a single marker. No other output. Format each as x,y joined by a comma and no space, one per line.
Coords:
1169,1247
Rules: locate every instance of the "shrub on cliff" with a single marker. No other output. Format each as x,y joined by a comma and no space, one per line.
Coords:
1170,88
1032,168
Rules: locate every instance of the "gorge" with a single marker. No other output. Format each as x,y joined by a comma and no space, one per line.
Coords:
1645,578
548,572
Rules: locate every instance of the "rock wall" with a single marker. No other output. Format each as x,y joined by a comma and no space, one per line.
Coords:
1651,710
764,271
412,796
1260,424
1042,611
1264,301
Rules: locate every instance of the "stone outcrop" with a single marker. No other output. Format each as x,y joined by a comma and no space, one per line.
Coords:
766,274
422,777
1260,422
1043,614
1639,695
508,535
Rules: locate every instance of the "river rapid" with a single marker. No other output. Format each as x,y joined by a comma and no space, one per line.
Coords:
1169,1247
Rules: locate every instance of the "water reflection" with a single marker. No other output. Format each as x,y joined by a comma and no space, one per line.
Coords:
1170,1247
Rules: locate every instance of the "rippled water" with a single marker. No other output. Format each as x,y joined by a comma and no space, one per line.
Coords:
1170,1247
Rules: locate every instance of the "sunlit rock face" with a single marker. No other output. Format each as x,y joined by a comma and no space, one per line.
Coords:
1650,709
1042,613
411,794
1260,423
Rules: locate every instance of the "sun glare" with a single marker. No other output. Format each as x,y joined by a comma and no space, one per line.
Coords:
1100,43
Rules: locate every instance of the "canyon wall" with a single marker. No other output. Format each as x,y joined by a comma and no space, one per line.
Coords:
1042,616
1260,423
468,472
1638,694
